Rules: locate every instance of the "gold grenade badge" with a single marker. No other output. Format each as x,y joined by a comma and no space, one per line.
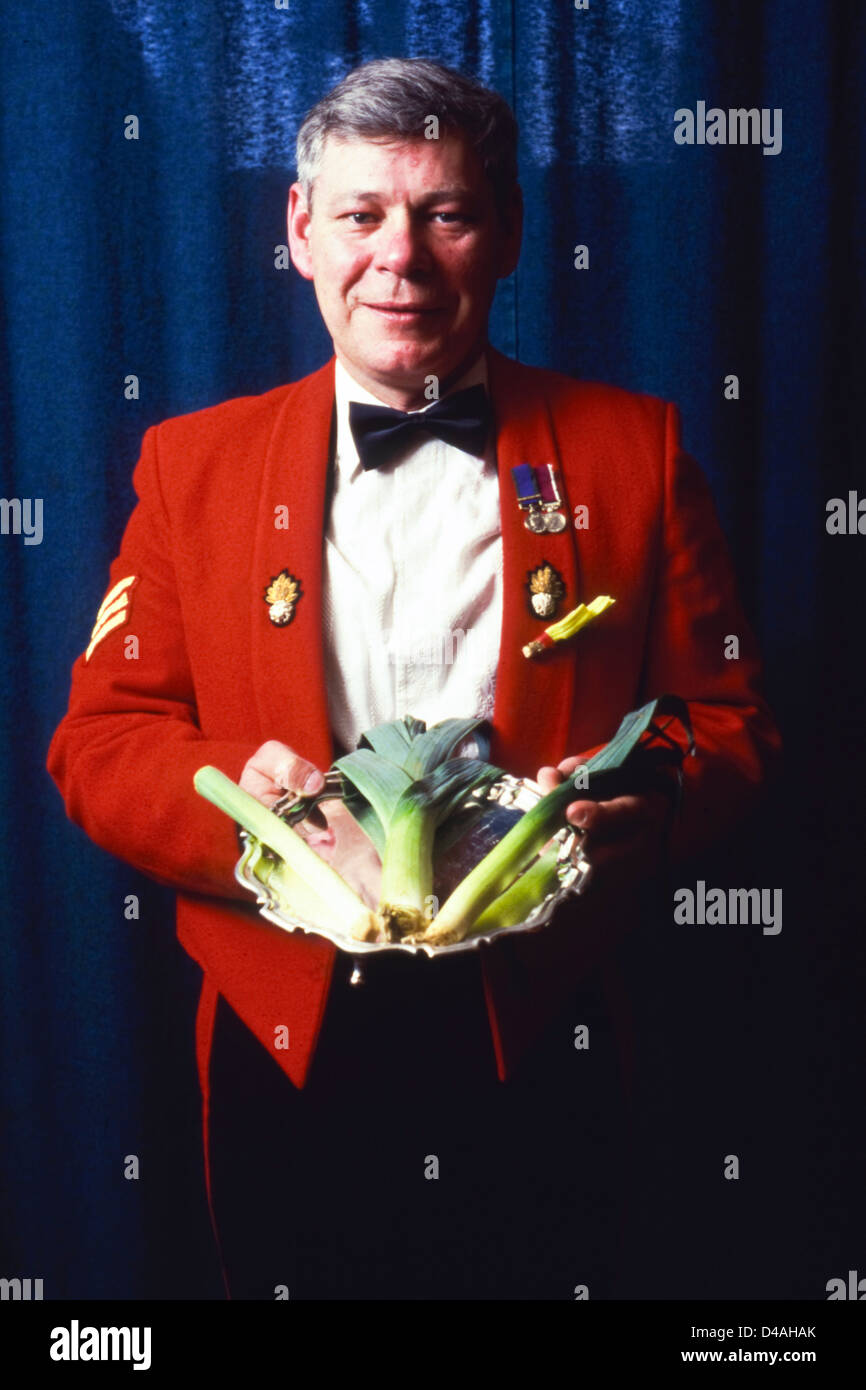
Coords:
281,596
546,588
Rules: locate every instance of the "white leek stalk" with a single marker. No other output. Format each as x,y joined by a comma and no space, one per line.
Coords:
517,903
406,894
339,899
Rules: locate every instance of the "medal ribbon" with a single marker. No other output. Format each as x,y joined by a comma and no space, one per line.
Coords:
525,485
547,484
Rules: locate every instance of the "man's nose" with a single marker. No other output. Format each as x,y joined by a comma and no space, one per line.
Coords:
401,245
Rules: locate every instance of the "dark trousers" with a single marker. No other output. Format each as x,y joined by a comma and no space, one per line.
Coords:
405,1169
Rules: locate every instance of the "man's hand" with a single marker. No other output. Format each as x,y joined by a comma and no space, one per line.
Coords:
275,769
331,831
625,833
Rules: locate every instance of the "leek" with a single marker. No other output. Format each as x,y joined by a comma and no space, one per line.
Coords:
499,869
406,895
320,878
402,784
609,776
410,794
288,892
519,901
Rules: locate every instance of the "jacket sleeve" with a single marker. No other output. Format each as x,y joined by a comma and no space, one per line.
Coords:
125,753
694,616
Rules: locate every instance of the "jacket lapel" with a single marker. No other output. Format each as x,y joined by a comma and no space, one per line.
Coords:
286,979
534,697
288,661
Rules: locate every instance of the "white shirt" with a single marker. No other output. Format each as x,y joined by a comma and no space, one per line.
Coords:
412,581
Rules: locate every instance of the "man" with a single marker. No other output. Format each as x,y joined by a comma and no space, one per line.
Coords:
405,215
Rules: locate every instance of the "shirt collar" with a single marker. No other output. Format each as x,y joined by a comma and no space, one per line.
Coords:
346,389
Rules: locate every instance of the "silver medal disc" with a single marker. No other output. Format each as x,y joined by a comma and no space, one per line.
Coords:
535,521
554,521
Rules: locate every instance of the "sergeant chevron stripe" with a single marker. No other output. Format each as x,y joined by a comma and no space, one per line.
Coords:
113,611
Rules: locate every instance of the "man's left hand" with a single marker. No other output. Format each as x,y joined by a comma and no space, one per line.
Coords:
626,833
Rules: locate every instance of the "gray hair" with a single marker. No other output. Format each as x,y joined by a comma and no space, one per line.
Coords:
395,97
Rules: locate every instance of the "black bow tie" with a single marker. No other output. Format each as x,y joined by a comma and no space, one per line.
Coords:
380,433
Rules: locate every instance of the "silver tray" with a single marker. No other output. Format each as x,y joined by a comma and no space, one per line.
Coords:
504,802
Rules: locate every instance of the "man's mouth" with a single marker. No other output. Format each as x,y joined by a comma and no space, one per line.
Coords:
404,310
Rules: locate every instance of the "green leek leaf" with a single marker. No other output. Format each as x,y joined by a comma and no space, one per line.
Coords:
379,781
434,746
392,741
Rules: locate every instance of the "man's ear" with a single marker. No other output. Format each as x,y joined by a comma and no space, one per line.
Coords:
512,223
298,222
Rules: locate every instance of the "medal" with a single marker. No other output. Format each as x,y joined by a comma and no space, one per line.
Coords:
551,502
528,497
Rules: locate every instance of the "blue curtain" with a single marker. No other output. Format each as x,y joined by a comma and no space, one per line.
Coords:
155,257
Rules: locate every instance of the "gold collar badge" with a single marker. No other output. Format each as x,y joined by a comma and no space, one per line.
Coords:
281,596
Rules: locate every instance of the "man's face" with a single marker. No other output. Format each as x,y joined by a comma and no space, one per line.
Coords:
405,246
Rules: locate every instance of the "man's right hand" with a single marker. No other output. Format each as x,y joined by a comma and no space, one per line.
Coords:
331,831
275,769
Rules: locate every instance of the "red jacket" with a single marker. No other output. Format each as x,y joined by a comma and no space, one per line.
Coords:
214,678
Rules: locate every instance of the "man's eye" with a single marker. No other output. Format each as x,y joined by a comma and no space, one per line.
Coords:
452,217
359,219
